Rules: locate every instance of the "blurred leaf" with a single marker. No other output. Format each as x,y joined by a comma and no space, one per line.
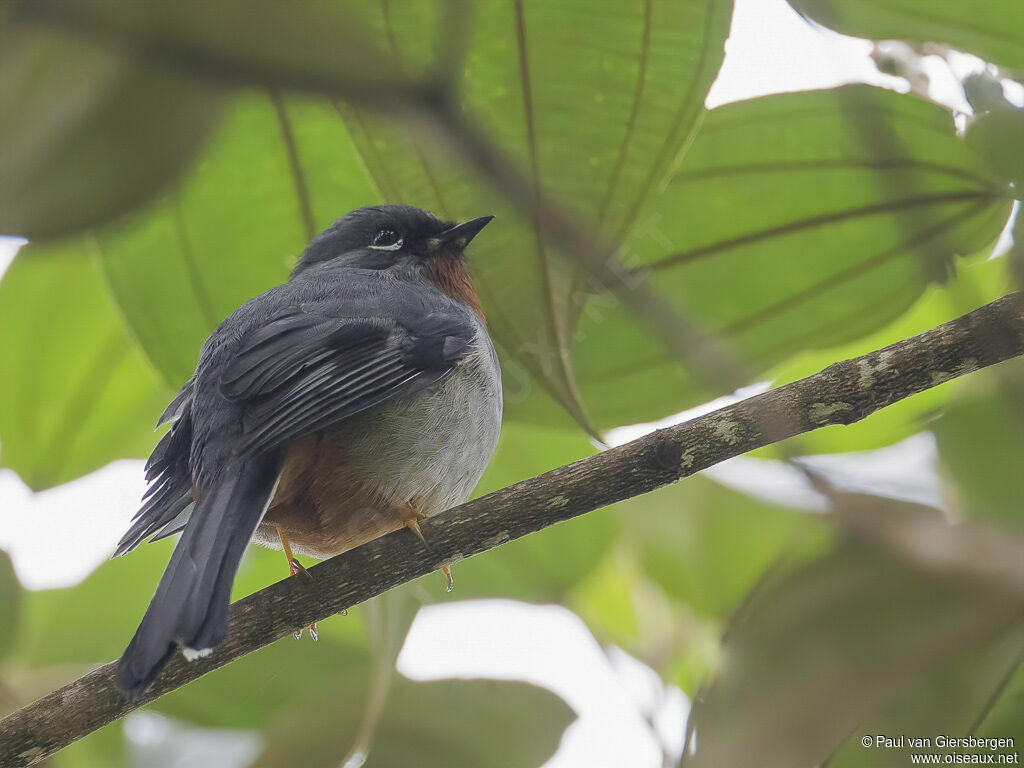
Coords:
783,212
479,723
312,46
260,687
82,624
388,618
951,701
997,135
78,392
67,629
609,600
1006,717
983,27
279,170
1016,252
981,445
828,648
978,282
625,608
232,230
10,604
253,690
104,748
707,545
87,132
594,101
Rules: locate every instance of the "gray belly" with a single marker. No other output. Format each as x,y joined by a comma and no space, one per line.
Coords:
430,448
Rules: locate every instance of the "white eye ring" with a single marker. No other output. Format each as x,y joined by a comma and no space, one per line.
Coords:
388,246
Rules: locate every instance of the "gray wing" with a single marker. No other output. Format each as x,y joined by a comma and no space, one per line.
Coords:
299,372
302,372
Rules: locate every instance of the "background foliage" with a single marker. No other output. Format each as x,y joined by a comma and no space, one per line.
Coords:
168,161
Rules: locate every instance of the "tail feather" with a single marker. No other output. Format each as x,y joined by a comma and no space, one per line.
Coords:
170,491
191,602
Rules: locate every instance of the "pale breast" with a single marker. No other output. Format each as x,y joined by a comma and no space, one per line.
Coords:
429,449
410,456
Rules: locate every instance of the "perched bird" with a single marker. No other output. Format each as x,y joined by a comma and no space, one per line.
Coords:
358,398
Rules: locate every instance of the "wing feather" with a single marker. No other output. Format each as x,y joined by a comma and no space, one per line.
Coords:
300,374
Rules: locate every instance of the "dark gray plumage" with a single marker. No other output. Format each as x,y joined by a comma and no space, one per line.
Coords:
369,325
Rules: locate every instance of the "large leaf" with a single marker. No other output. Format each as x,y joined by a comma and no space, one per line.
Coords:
997,135
795,222
311,46
233,229
76,393
987,28
826,650
707,545
1006,715
280,169
10,604
62,626
600,146
104,748
952,701
87,132
480,723
977,283
981,445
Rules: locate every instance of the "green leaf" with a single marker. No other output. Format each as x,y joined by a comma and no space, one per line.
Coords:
707,545
480,723
1016,253
997,135
978,282
624,607
279,169
981,445
78,393
61,624
594,102
233,229
1006,716
951,701
795,222
89,133
275,172
10,604
309,46
830,647
388,618
987,28
256,690
105,748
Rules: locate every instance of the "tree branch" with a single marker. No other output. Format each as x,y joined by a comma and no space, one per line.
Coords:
843,393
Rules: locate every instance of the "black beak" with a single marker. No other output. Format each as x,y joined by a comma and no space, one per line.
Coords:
458,237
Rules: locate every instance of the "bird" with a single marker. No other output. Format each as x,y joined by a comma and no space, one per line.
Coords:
358,398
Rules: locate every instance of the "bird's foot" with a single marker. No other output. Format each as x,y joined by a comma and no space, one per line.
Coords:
294,567
313,632
412,522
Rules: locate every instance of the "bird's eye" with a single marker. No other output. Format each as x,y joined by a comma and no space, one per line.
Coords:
387,240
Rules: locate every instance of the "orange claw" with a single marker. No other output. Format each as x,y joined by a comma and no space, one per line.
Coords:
294,567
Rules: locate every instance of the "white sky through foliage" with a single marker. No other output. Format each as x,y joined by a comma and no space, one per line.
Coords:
57,537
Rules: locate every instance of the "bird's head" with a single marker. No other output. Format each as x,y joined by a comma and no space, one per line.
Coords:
401,239
392,237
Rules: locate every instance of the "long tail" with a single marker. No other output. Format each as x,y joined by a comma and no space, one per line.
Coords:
190,606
